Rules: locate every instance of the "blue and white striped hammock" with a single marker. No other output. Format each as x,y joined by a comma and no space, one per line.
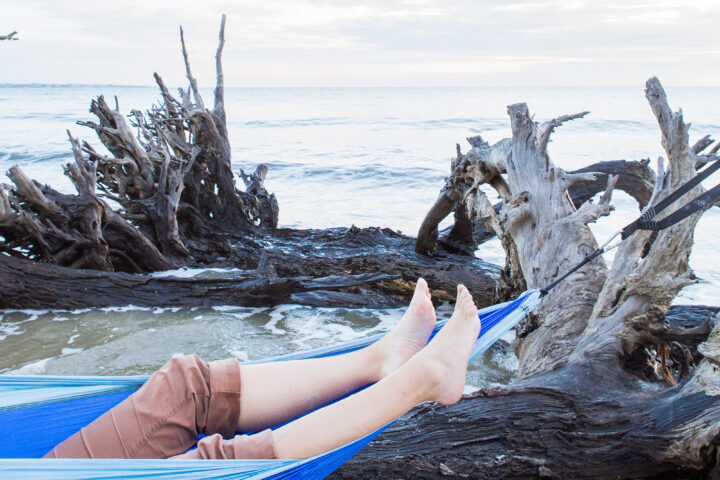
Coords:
38,412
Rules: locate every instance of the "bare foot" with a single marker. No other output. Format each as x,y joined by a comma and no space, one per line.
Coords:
412,331
447,355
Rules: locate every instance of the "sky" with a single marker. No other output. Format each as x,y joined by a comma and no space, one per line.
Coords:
365,43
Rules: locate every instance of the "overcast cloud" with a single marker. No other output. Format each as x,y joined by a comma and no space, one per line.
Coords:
368,43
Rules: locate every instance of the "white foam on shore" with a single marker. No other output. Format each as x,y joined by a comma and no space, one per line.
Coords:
241,355
187,272
236,308
34,368
27,311
34,314
277,315
321,328
70,351
31,315
7,329
317,329
135,308
468,389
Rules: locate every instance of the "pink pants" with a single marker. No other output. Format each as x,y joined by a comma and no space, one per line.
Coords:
186,397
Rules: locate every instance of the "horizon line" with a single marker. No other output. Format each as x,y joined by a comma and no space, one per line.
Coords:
117,85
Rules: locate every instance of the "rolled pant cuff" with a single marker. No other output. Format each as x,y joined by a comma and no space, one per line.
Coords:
256,446
224,407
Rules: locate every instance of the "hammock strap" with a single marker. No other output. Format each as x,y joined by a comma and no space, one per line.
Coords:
646,222
588,258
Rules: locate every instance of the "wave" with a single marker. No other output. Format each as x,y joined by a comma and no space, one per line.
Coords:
379,174
27,157
386,122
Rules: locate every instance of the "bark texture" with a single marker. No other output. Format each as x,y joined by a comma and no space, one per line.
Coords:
32,285
609,386
469,171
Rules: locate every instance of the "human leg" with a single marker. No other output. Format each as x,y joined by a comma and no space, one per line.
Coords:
274,393
163,418
187,397
436,373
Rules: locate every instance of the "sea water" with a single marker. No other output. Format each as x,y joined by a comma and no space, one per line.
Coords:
336,157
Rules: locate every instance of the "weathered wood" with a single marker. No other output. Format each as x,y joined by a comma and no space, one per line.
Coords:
29,284
333,253
357,250
484,164
608,387
689,325
557,426
634,178
172,179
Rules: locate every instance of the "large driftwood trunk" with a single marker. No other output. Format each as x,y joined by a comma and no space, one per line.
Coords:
29,285
355,268
607,386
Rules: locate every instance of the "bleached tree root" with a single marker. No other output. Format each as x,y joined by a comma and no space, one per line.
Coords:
608,387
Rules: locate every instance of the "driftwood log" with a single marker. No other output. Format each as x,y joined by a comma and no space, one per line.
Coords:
607,387
162,195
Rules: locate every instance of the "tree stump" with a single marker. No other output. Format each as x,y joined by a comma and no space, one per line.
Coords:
608,387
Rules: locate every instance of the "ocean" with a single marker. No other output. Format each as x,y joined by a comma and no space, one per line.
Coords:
336,157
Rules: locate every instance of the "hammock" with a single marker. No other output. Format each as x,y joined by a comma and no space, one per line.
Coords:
38,412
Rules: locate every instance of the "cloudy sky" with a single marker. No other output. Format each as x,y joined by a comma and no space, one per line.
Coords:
365,43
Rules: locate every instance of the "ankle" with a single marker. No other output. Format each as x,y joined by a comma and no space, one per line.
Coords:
429,373
374,359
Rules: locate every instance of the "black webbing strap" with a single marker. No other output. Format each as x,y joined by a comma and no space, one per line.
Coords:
646,222
588,258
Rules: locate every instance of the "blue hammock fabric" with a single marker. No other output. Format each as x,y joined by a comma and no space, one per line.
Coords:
38,412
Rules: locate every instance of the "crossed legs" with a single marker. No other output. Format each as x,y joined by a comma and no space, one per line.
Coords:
274,393
193,397
435,373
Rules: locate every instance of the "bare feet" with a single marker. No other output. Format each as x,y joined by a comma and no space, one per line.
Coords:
446,356
411,333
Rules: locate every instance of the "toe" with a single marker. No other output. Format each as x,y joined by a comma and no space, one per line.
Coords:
464,302
418,295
